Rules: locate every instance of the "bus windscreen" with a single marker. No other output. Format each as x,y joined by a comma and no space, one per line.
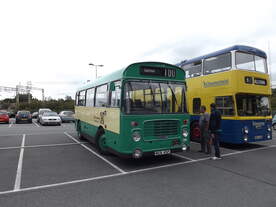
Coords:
154,97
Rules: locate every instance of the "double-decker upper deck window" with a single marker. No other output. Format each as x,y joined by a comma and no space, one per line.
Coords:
81,98
116,95
90,97
250,62
193,69
225,105
260,64
217,64
101,96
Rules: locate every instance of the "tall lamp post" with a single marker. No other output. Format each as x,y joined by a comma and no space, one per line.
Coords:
96,66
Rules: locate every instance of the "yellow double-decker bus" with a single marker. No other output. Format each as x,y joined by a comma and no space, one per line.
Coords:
237,80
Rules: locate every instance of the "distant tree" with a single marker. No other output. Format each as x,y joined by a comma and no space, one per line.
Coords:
68,98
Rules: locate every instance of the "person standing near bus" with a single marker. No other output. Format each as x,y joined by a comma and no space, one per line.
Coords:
215,129
204,130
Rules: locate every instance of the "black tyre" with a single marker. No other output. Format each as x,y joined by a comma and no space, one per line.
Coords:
79,134
195,132
101,142
274,126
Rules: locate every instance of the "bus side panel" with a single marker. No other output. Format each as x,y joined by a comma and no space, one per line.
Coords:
92,118
232,131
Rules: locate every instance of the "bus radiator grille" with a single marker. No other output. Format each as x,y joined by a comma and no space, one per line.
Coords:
160,129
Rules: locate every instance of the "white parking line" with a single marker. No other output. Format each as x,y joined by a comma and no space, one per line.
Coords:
45,133
35,124
126,173
43,145
181,156
19,167
101,157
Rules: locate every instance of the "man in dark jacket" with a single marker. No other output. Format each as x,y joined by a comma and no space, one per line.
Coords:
215,129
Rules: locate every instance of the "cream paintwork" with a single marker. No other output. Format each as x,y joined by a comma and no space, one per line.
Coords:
108,118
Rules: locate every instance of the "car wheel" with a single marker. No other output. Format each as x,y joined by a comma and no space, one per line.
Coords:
274,126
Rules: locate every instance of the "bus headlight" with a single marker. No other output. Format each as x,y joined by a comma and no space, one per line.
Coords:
268,128
246,130
185,133
136,136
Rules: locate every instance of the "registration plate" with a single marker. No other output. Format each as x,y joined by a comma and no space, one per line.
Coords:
259,137
24,119
162,152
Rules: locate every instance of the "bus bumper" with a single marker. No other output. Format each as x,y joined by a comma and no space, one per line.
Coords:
137,153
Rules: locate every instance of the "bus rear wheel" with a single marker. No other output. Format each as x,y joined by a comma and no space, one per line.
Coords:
79,134
195,132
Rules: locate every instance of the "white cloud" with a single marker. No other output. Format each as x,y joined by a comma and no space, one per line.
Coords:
53,41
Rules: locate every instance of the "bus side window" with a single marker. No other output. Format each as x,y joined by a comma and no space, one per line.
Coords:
116,95
196,105
76,98
101,96
81,98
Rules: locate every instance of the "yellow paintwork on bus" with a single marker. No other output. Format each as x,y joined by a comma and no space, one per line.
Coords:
226,83
108,118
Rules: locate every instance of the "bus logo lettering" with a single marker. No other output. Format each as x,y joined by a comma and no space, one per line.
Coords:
215,84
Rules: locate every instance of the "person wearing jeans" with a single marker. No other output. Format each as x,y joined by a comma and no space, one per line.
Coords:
215,129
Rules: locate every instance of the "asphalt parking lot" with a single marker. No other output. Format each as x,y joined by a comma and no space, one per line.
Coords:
49,166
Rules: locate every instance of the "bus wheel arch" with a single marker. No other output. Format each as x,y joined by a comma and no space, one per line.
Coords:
195,131
79,134
100,141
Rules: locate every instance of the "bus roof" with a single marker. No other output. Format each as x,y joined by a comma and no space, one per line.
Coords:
241,48
125,72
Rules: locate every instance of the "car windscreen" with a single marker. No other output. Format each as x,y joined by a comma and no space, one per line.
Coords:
3,113
68,113
146,96
50,114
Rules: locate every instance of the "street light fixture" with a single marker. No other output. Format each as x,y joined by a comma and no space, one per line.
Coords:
96,66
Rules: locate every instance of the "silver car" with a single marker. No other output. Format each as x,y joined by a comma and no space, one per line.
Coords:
50,118
67,116
40,112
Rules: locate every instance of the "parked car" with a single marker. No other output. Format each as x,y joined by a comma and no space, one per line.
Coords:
50,118
274,122
40,112
67,116
23,116
4,117
34,115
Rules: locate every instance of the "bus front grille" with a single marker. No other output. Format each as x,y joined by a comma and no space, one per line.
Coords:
160,129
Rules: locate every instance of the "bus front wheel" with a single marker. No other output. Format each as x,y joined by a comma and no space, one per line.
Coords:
274,126
195,132
101,143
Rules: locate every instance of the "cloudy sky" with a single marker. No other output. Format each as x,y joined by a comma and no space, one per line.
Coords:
52,42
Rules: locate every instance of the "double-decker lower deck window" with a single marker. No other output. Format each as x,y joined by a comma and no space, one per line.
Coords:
143,97
225,105
253,105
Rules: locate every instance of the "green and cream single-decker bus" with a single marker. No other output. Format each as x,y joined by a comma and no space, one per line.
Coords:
136,111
